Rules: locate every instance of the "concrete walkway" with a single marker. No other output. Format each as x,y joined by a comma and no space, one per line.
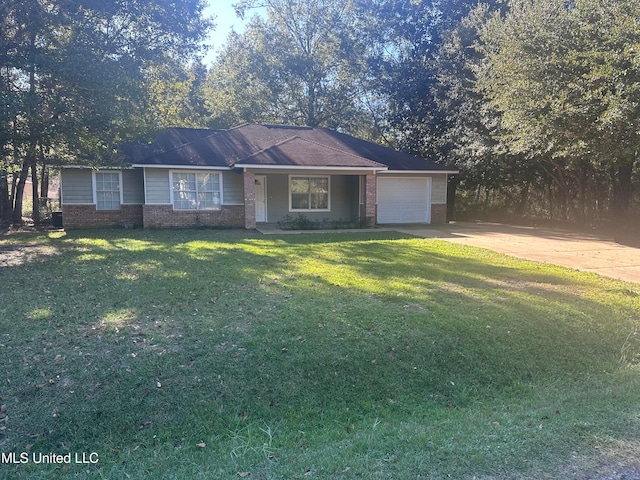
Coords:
592,253
581,251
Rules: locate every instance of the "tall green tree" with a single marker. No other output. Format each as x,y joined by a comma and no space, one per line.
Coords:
73,76
176,94
464,136
565,77
409,64
238,89
421,66
299,65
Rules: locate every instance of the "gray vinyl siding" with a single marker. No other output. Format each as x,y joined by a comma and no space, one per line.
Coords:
344,192
233,188
439,189
133,186
76,186
157,186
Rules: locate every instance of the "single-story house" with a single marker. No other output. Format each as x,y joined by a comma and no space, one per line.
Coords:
255,174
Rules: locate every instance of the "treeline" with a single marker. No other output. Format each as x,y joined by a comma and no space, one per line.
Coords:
535,101
76,79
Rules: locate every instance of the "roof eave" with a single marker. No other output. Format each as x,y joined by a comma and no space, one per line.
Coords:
256,166
93,167
450,172
181,167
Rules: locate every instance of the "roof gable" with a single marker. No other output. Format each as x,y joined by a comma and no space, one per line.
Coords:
273,145
299,152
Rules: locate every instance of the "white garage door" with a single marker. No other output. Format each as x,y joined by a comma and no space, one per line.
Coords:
404,200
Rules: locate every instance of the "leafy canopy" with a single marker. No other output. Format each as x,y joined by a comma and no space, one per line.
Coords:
565,76
298,66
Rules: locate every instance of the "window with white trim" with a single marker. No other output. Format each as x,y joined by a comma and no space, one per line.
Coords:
309,193
107,190
196,191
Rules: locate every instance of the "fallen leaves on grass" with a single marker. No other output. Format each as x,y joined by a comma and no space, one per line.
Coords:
144,425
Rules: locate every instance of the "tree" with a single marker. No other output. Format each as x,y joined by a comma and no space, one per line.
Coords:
465,133
73,76
406,39
565,78
299,66
176,94
420,65
237,88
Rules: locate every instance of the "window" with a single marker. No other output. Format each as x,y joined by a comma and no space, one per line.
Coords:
309,193
107,190
196,191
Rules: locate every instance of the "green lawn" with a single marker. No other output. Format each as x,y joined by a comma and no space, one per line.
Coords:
225,354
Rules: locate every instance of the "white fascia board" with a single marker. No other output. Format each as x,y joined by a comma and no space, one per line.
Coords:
181,167
96,168
412,172
246,167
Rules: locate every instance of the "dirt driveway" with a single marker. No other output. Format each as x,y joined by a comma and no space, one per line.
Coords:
587,252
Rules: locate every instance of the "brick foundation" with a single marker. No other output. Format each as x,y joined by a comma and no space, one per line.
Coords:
164,216
86,216
438,214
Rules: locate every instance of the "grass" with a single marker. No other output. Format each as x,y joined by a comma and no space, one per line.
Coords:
225,354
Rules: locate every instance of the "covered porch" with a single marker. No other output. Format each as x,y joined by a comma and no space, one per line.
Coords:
275,195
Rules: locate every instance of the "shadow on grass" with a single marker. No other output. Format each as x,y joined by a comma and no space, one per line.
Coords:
131,341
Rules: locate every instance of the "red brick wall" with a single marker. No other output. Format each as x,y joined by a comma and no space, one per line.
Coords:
438,213
86,216
249,200
370,196
164,216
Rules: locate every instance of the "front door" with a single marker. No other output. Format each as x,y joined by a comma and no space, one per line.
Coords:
261,198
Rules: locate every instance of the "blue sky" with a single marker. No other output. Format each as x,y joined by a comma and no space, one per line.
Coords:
225,20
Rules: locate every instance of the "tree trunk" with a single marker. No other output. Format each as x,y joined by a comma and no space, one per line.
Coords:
44,182
568,204
524,200
5,205
36,198
622,189
581,208
19,192
12,194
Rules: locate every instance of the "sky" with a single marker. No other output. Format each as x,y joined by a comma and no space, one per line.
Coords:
225,20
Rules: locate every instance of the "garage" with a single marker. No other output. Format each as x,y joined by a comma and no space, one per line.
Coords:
404,200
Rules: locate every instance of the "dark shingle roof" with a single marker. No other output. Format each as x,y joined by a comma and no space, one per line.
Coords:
296,151
274,145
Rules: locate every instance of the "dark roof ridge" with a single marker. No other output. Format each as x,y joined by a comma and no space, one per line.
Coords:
286,127
163,152
250,142
281,142
379,145
324,145
236,127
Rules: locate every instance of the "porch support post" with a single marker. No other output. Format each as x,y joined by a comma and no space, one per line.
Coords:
249,200
370,194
